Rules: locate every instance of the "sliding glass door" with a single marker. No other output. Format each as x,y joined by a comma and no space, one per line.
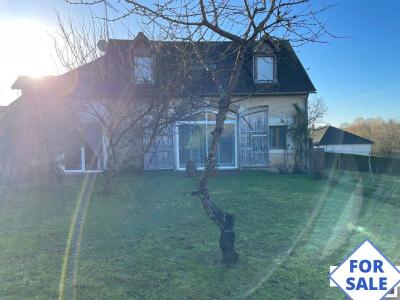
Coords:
192,144
226,148
194,139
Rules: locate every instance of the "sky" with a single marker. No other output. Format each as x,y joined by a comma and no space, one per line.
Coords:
358,75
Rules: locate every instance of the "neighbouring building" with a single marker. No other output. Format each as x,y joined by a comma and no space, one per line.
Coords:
337,140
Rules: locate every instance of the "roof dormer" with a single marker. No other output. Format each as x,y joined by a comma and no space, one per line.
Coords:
265,64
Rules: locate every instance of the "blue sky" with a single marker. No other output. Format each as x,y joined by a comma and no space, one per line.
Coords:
358,76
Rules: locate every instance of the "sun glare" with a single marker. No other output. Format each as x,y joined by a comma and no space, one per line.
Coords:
26,49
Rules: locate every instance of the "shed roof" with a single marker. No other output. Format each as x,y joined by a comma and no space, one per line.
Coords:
330,135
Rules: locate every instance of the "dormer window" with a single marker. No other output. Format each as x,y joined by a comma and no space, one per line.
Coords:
144,69
263,69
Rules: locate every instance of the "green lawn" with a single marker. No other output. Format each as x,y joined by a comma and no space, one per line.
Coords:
152,240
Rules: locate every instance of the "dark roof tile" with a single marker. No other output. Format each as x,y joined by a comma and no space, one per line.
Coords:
330,135
292,77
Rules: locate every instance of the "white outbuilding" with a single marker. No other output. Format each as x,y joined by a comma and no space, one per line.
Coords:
337,140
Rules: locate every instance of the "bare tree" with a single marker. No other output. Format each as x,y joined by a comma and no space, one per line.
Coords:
384,133
133,121
317,109
75,43
248,25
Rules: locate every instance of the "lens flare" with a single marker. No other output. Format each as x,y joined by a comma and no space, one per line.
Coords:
72,250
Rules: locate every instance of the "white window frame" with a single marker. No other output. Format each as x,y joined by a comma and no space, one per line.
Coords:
83,163
139,78
83,160
205,122
256,68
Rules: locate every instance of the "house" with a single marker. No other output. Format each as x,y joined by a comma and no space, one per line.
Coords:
337,140
2,109
255,135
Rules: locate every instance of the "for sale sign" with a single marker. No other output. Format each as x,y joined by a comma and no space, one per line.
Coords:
366,274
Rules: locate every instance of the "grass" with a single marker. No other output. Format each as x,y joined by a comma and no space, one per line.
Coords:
151,240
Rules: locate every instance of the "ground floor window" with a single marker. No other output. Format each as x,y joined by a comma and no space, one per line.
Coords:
277,137
194,139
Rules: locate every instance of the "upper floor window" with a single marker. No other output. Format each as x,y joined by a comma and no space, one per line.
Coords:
264,68
277,137
144,69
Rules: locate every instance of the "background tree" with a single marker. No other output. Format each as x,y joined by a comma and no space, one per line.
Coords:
247,24
317,109
384,134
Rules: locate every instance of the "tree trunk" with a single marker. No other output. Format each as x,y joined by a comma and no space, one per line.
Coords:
110,172
227,240
224,220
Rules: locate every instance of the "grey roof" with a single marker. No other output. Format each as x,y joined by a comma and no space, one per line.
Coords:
330,135
292,77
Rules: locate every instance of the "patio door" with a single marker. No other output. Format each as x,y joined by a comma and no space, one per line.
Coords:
253,125
192,144
193,139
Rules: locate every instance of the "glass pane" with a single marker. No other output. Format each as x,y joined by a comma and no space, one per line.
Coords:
72,150
72,158
192,144
93,148
277,136
144,69
272,136
226,149
265,68
282,137
211,116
